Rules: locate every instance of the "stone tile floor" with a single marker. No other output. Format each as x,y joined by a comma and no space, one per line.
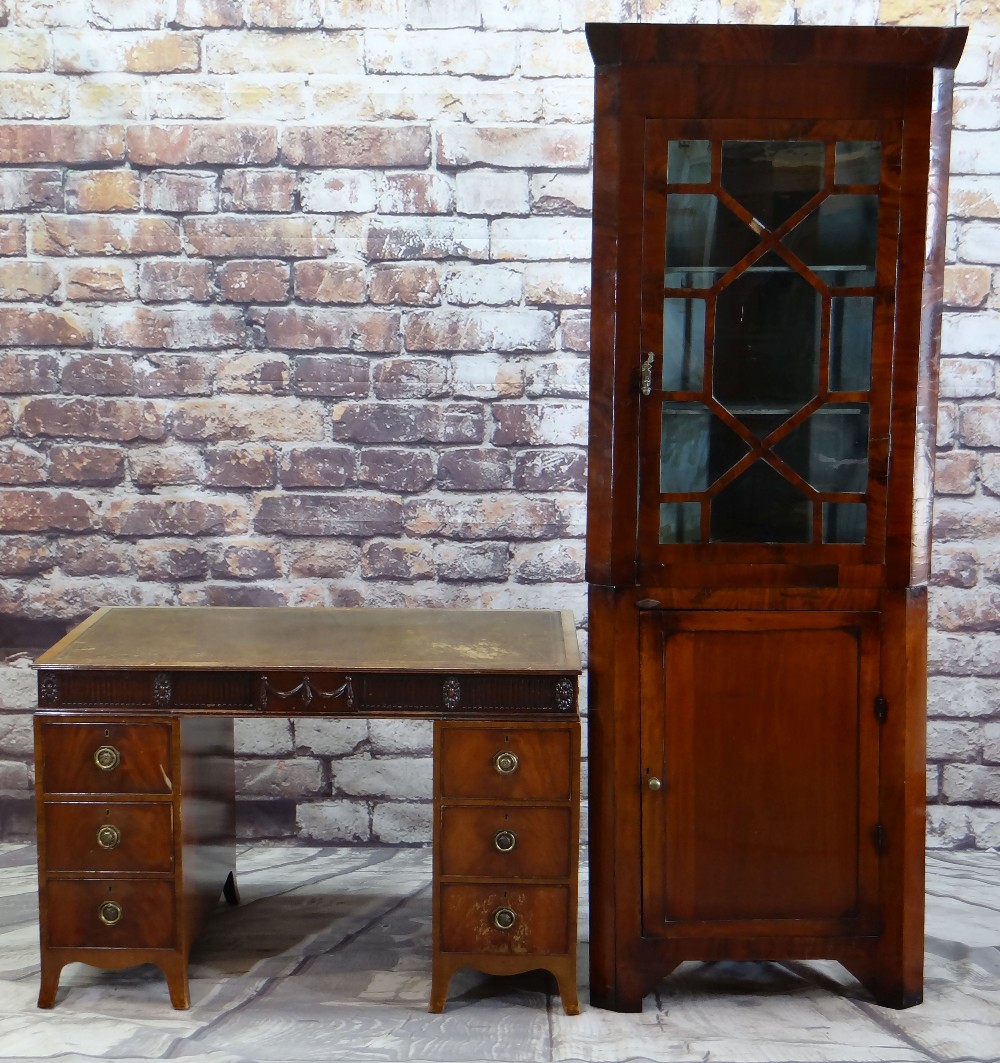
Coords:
328,958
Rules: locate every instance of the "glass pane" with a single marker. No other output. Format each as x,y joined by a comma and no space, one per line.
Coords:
841,234
703,237
767,338
772,179
830,449
844,522
761,506
851,320
683,344
680,522
689,162
696,448
857,162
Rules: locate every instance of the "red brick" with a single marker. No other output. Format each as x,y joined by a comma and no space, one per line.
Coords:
255,281
159,465
100,235
360,516
95,557
320,466
29,373
21,281
264,191
40,510
175,280
329,282
31,190
182,374
89,418
558,562
320,559
191,144
368,145
167,53
235,595
550,470
20,464
114,282
98,374
173,329
955,473
244,236
472,562
534,423
574,331
408,285
253,372
343,330
161,560
274,420
13,236
480,469
33,143
39,327
411,378
397,561
240,467
336,376
24,556
396,469
479,330
384,422
102,191
506,517
83,464
175,515
6,420
181,193
247,561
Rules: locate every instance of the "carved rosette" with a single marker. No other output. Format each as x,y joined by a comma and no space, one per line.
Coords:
162,691
48,689
452,691
564,694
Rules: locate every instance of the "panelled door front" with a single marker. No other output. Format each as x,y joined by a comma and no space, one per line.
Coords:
760,768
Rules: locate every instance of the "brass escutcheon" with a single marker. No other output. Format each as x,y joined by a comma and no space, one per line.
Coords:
505,840
505,762
107,758
504,919
108,836
109,913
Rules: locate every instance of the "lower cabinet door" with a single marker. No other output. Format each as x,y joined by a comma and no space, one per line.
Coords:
505,918
118,914
759,757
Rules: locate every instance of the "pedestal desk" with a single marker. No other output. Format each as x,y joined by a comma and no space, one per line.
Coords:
135,780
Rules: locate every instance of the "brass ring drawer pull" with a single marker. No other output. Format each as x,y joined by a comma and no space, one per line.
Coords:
109,913
505,762
505,840
108,836
107,758
504,919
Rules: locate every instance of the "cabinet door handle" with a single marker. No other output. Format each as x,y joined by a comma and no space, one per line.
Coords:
107,758
504,919
505,840
655,784
110,912
108,836
646,374
505,762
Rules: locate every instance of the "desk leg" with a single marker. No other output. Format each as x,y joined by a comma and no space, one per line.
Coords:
441,972
51,970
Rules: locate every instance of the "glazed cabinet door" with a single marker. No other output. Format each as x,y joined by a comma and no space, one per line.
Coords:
760,769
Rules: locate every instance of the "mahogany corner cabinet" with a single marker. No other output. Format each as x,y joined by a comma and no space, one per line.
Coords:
768,247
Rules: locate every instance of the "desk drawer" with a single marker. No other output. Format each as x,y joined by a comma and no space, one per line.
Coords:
104,758
125,914
475,918
99,836
505,842
506,764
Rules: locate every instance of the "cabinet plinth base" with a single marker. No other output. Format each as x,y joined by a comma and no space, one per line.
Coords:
562,969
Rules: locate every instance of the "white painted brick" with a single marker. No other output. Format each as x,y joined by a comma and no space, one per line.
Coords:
577,13
933,786
315,52
485,376
423,193
401,736
968,377
491,192
561,193
517,15
339,191
34,13
514,146
975,152
538,238
442,14
962,698
284,14
330,738
132,14
397,777
974,66
948,827
704,11
403,823
279,778
979,241
837,12
181,97
496,102
567,100
562,55
954,740
976,108
262,737
482,286
985,824
18,683
561,377
970,334
334,821
450,51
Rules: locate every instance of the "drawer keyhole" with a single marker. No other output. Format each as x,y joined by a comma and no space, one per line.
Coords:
505,840
109,836
107,758
504,919
110,912
505,762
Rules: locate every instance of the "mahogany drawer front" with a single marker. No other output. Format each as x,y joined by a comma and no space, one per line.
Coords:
506,764
505,842
99,836
124,914
474,918
135,757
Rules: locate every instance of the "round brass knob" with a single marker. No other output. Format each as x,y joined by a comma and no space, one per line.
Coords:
654,783
107,758
109,913
505,762
505,840
108,836
504,919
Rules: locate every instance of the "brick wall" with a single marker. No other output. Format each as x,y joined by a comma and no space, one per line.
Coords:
294,310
